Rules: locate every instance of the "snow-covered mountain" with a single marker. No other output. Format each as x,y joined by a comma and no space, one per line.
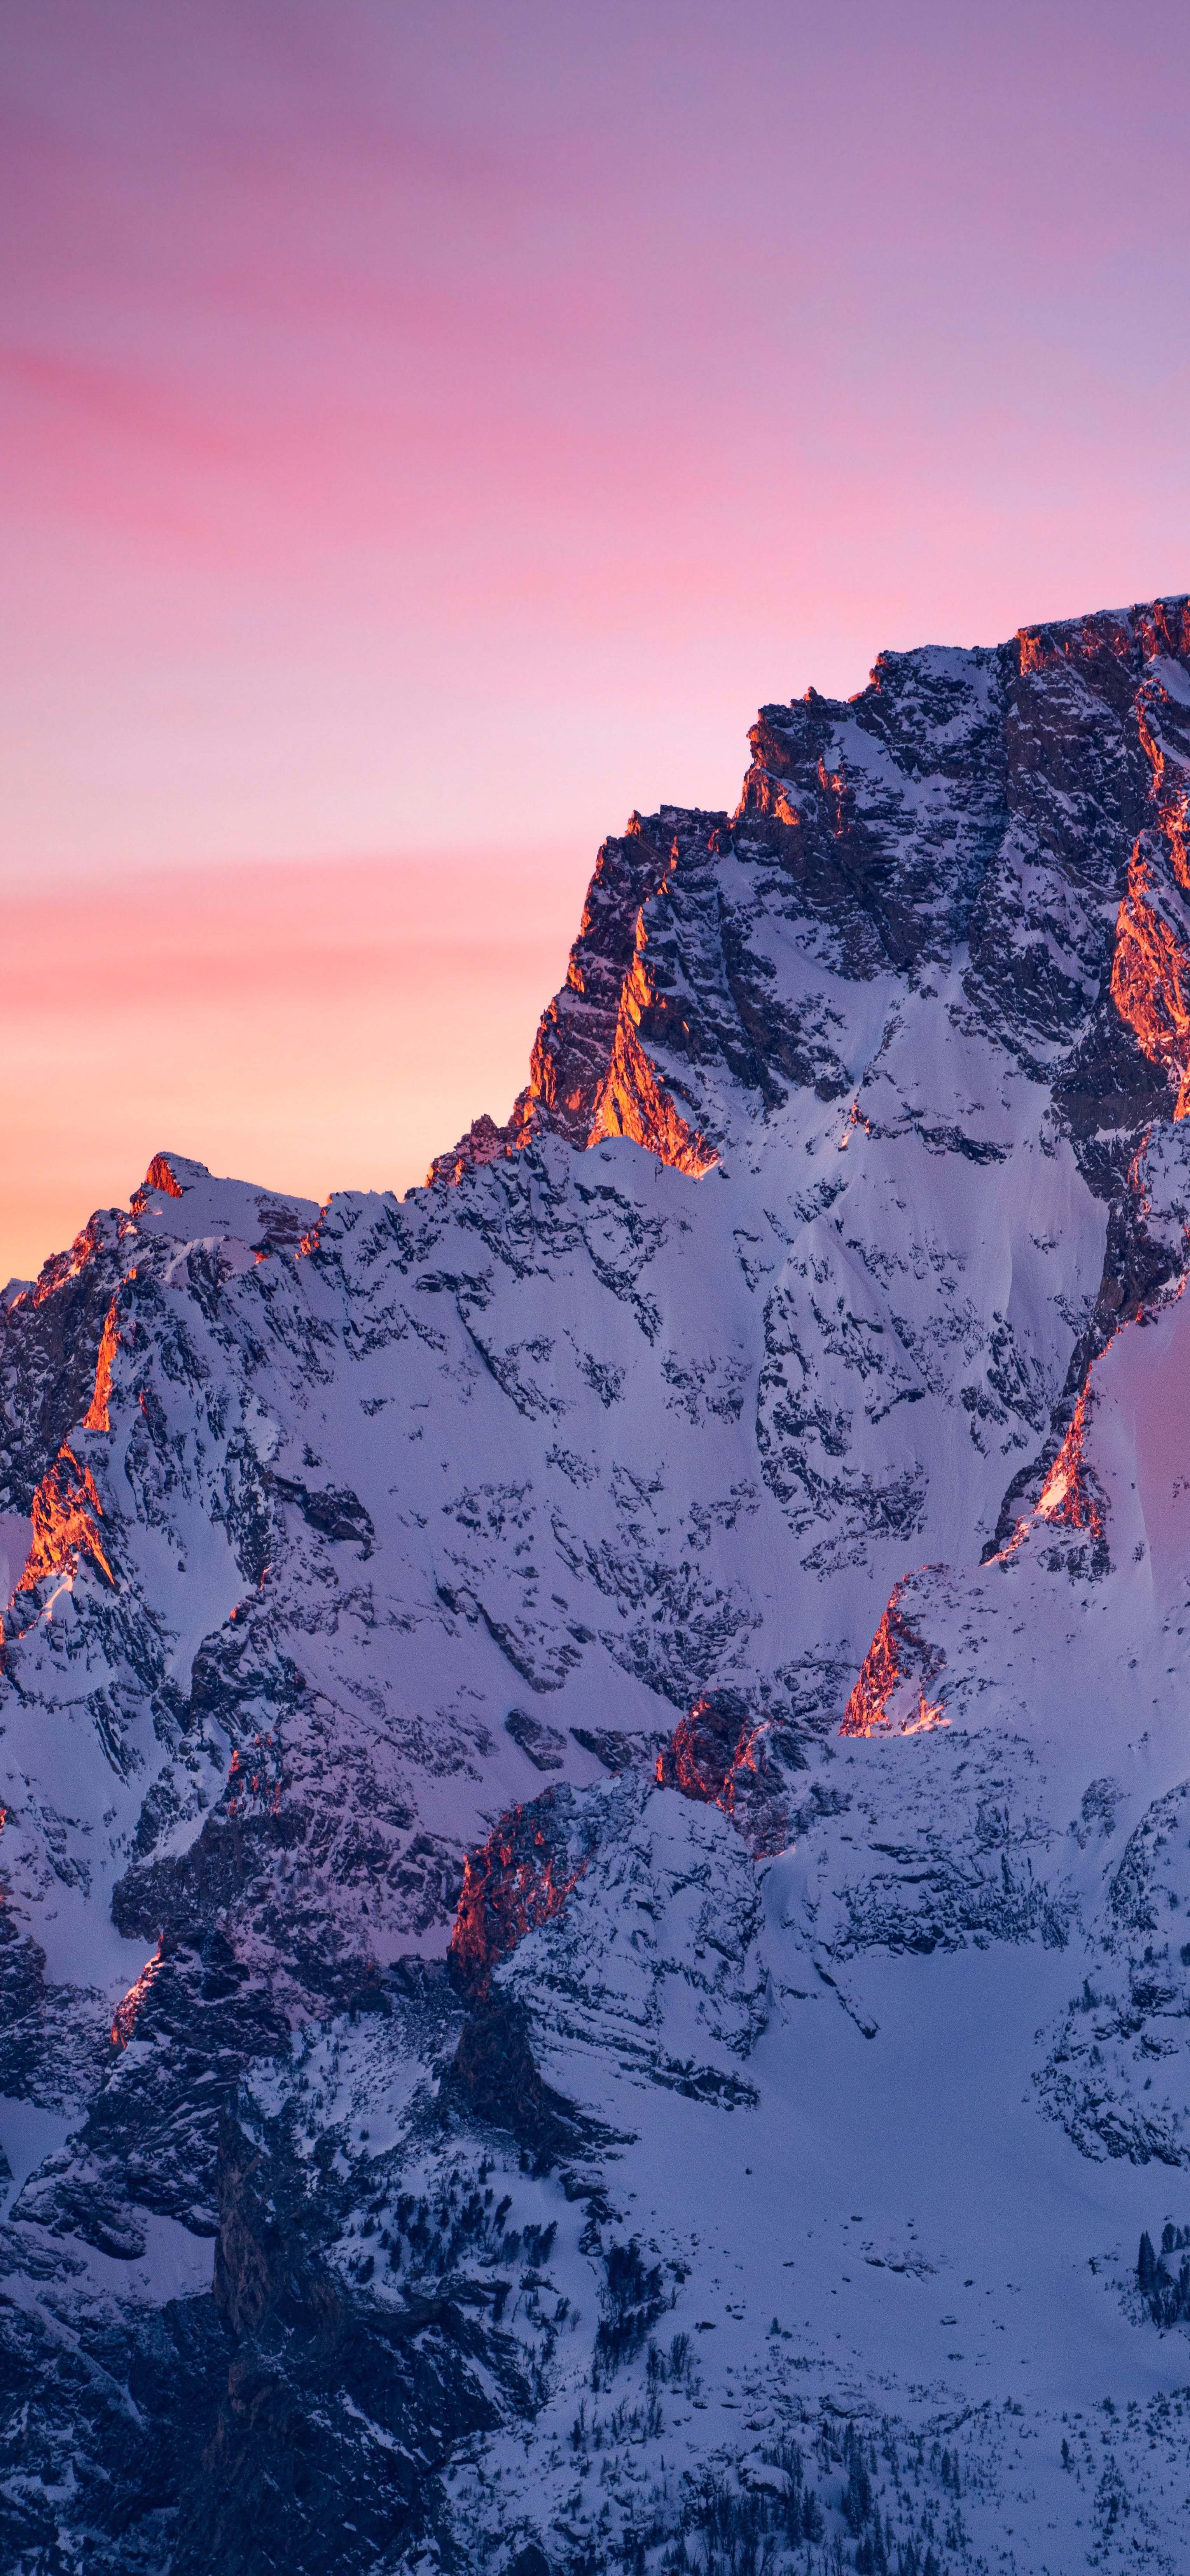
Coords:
561,1732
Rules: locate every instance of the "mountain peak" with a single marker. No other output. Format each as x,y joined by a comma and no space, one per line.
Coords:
560,1731
170,1173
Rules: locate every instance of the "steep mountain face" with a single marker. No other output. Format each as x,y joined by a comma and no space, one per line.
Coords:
560,1731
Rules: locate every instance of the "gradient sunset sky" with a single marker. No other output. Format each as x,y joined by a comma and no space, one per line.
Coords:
431,430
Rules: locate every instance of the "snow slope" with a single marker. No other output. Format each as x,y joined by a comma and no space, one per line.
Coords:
587,1747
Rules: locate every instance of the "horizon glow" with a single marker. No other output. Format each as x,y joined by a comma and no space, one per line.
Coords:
431,434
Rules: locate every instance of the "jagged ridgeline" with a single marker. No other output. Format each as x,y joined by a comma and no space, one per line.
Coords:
594,1969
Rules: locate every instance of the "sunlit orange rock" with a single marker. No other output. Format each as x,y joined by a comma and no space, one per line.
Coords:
591,1075
161,1177
66,1512
97,1416
1150,981
519,1878
1171,797
94,1239
1070,1494
701,1753
634,1103
896,1672
1163,626
1108,636
124,2022
725,1756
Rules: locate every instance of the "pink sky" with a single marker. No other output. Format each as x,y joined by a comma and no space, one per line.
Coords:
431,431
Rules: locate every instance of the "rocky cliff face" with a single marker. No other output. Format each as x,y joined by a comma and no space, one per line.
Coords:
560,1731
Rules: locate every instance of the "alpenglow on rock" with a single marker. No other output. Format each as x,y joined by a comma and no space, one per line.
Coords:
595,1925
